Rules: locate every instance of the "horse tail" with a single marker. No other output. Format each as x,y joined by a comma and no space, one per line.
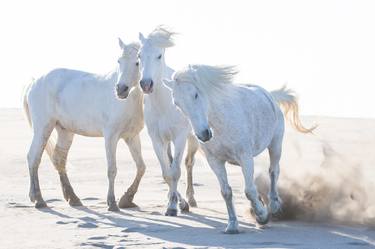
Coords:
287,99
51,144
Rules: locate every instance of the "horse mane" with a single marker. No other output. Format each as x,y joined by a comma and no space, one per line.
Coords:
213,81
162,37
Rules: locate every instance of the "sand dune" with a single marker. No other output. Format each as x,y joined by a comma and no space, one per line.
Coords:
326,180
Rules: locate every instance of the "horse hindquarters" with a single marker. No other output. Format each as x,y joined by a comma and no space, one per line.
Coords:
42,124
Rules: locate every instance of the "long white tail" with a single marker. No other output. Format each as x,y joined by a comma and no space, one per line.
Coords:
50,147
287,99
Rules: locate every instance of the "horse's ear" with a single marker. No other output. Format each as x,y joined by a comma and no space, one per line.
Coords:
141,37
121,43
169,83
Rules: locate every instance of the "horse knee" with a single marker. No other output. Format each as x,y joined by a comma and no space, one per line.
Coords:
226,192
33,160
111,172
189,162
274,171
141,169
172,174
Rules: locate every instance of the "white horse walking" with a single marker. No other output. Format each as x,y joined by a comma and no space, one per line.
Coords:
165,123
245,120
76,102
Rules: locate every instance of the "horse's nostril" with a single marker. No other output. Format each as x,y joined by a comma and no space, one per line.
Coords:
207,133
125,88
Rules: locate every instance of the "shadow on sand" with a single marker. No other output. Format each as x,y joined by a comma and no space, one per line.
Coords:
204,231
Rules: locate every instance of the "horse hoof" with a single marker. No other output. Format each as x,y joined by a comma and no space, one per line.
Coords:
126,203
262,219
113,208
276,207
231,231
171,212
75,202
192,202
184,206
232,227
40,204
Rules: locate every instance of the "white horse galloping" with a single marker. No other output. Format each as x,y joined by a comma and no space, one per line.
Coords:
235,123
76,102
165,123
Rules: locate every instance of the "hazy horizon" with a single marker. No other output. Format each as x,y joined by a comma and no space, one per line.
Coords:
324,50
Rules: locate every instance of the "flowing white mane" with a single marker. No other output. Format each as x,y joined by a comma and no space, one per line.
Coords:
213,81
162,37
131,49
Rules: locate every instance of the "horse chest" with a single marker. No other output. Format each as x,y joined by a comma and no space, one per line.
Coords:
132,127
132,123
167,124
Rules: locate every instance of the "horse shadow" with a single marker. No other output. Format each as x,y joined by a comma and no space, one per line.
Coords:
159,230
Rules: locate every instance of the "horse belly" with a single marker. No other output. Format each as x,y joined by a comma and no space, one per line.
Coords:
80,127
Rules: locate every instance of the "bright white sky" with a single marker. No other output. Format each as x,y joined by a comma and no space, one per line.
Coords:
325,50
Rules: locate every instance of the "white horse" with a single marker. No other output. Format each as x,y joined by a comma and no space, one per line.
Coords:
76,102
165,123
234,124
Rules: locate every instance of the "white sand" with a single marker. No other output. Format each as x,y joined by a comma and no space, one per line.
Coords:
92,226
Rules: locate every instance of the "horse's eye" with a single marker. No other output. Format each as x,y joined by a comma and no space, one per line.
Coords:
159,57
137,63
196,96
118,61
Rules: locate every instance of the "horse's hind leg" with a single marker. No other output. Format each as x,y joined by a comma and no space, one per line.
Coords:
60,154
42,131
261,212
275,154
193,146
134,145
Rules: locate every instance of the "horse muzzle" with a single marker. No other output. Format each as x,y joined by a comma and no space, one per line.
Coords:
147,86
122,91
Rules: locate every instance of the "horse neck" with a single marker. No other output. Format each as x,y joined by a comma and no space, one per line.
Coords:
161,97
217,105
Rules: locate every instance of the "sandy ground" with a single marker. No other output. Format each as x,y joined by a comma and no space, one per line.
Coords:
92,226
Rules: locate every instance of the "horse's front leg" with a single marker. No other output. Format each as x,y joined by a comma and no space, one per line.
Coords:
172,176
134,145
218,167
161,151
193,146
111,141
